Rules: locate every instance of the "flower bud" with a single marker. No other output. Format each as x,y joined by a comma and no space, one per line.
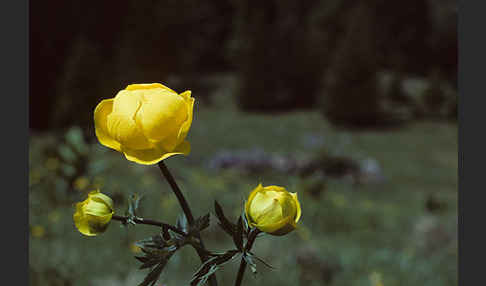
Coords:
273,210
93,215
146,122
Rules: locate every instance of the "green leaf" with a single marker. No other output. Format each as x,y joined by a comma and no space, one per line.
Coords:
154,274
200,224
133,204
182,223
248,257
156,259
156,242
159,243
149,263
238,235
212,265
165,233
142,259
246,226
224,223
260,260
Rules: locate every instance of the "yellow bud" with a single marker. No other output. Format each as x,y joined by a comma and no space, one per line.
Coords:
146,122
93,215
273,210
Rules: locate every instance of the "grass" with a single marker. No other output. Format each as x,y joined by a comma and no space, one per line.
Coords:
357,235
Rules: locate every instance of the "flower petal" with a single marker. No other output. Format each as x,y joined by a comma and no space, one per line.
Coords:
297,203
98,224
154,155
80,221
127,103
253,193
281,227
100,197
147,86
190,109
102,110
161,115
265,209
126,131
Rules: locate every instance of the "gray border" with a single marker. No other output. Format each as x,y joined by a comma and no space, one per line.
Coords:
471,82
15,135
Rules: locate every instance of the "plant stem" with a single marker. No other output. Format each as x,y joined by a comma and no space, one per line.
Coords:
190,218
178,193
149,222
249,244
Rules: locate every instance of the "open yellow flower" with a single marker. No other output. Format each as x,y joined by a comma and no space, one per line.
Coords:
93,215
273,210
146,122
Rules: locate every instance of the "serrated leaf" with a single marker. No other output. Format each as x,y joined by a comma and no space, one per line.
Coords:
182,223
238,234
156,242
224,223
144,242
261,260
206,276
136,200
251,263
246,226
210,266
133,204
177,236
204,268
200,224
142,259
165,233
154,274
149,263
157,246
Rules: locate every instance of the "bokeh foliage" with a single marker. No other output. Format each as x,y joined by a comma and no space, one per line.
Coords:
402,231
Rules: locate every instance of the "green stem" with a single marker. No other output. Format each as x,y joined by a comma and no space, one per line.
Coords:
178,193
139,220
190,218
249,244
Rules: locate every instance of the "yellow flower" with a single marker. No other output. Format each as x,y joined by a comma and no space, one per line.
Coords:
52,163
273,210
38,231
146,122
81,183
134,248
93,215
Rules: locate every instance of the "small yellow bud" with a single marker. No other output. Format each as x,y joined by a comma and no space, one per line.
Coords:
273,210
93,215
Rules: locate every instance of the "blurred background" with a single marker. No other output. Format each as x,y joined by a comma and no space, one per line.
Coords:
352,104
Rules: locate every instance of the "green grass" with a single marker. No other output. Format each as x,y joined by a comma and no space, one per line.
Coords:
379,230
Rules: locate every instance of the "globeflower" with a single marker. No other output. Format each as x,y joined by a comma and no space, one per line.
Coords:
146,122
93,215
273,210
